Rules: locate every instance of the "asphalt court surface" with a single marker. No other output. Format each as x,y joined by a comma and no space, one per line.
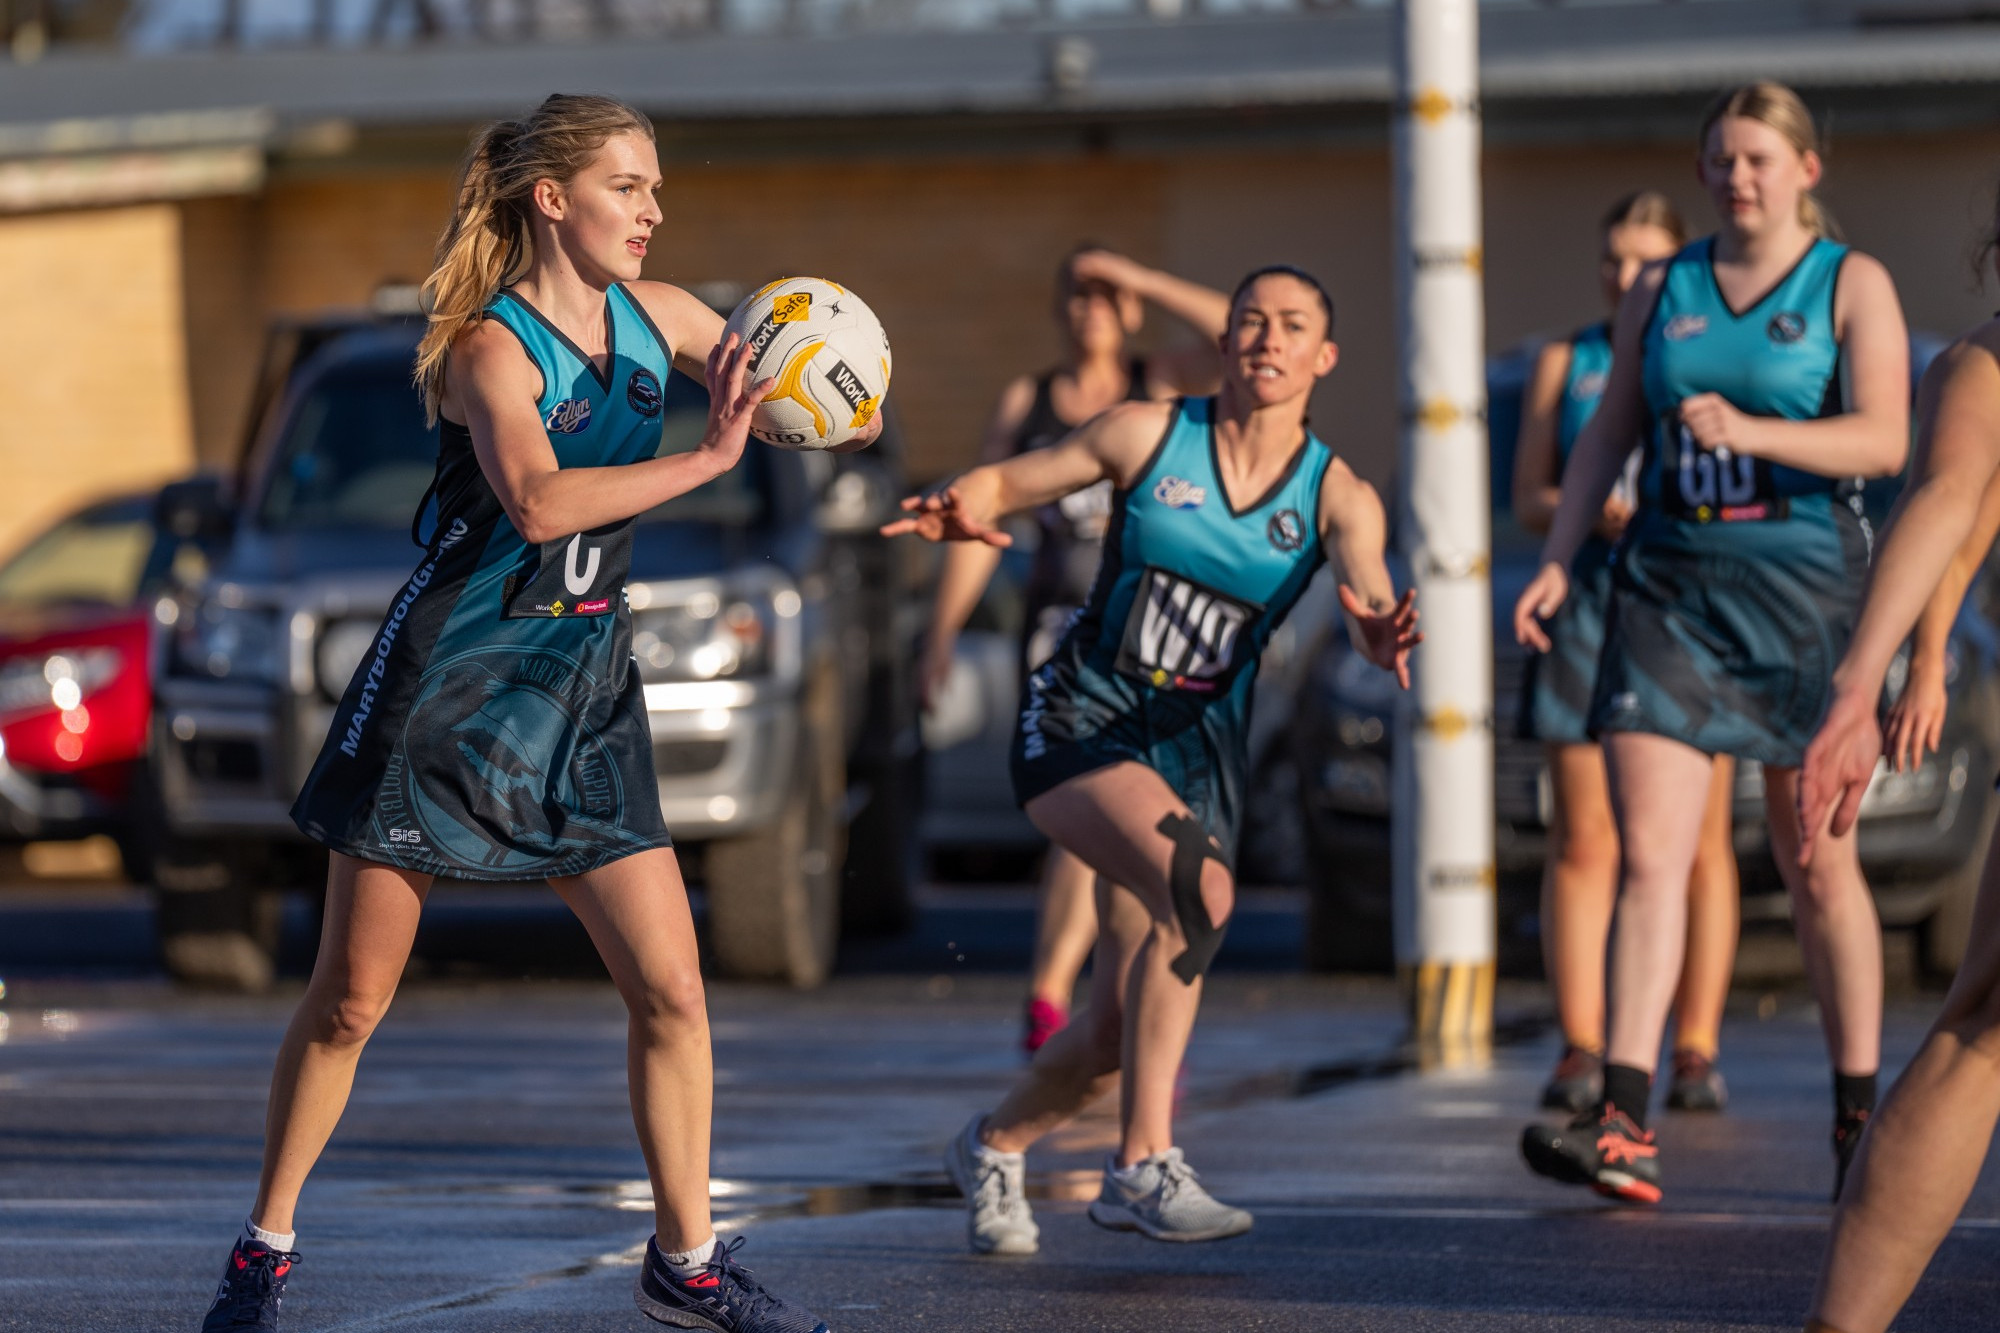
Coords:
487,1178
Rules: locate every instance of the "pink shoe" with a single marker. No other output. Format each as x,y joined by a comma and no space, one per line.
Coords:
1044,1021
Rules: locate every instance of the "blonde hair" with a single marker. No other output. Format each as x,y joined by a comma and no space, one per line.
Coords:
1648,208
1774,104
488,242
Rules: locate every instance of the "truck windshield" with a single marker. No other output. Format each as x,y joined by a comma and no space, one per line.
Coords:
355,453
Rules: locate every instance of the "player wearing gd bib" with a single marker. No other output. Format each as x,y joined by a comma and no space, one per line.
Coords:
499,719
1130,749
1769,368
1580,875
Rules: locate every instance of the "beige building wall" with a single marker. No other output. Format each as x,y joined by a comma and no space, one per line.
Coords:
93,366
956,254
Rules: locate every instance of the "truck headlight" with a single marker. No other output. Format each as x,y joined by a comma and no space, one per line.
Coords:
709,636
228,643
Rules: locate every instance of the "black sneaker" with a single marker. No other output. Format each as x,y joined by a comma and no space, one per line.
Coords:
1847,1127
1601,1148
723,1297
1697,1084
1577,1083
253,1287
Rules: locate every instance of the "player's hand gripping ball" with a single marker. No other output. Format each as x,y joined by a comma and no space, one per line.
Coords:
828,354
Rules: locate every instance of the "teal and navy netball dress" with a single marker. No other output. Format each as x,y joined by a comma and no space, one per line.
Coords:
497,729
1737,587
1157,668
1562,680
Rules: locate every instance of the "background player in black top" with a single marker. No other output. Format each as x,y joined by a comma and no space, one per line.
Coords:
1100,299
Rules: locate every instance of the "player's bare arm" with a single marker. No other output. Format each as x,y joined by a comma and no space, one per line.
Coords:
1354,531
1596,461
492,381
1958,409
1112,446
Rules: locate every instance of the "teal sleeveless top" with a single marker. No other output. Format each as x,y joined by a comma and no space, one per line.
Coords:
497,730
1583,390
1778,358
1190,589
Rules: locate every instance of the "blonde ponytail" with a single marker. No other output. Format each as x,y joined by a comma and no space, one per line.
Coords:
488,243
1771,103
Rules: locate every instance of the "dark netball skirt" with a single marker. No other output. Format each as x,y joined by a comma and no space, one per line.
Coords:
1725,636
1075,720
1561,682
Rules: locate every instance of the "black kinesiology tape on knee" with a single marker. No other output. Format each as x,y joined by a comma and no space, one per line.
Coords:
1192,846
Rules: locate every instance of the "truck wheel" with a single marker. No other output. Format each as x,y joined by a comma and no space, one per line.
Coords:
884,863
774,896
216,926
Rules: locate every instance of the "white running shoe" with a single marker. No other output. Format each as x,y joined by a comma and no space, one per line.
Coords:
1164,1199
997,1217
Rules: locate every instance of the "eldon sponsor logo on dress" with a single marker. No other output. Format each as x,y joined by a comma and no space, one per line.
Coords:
1178,493
1683,327
568,417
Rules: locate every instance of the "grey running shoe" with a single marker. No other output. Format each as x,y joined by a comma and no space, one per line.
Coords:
997,1217
1166,1202
1697,1084
1577,1083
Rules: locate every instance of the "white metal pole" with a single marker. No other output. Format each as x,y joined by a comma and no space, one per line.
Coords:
1443,807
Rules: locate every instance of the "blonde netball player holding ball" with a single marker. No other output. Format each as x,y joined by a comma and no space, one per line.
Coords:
1580,881
1100,301
1130,751
476,741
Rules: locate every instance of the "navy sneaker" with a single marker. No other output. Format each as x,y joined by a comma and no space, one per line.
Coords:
723,1297
253,1287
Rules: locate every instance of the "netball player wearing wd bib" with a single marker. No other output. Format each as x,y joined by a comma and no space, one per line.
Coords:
498,732
1100,300
1580,879
1130,750
1768,367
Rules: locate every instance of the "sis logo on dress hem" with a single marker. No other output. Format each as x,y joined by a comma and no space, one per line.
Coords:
568,417
1177,493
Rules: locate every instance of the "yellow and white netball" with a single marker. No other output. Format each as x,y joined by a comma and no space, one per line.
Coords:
828,354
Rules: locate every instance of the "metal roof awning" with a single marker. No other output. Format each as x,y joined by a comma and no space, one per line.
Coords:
1330,58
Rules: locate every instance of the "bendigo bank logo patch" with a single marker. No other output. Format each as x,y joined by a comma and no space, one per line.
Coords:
642,393
568,417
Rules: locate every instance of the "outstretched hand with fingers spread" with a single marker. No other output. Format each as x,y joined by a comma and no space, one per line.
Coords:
731,400
1386,637
1838,765
946,516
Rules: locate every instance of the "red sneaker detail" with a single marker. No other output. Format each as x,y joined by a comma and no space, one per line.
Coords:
705,1280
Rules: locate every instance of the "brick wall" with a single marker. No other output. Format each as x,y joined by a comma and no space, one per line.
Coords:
92,360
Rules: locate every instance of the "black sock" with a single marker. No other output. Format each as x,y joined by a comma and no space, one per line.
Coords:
1629,1090
1852,1093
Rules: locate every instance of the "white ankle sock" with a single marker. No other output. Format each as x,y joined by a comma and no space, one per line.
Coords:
277,1240
686,1263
